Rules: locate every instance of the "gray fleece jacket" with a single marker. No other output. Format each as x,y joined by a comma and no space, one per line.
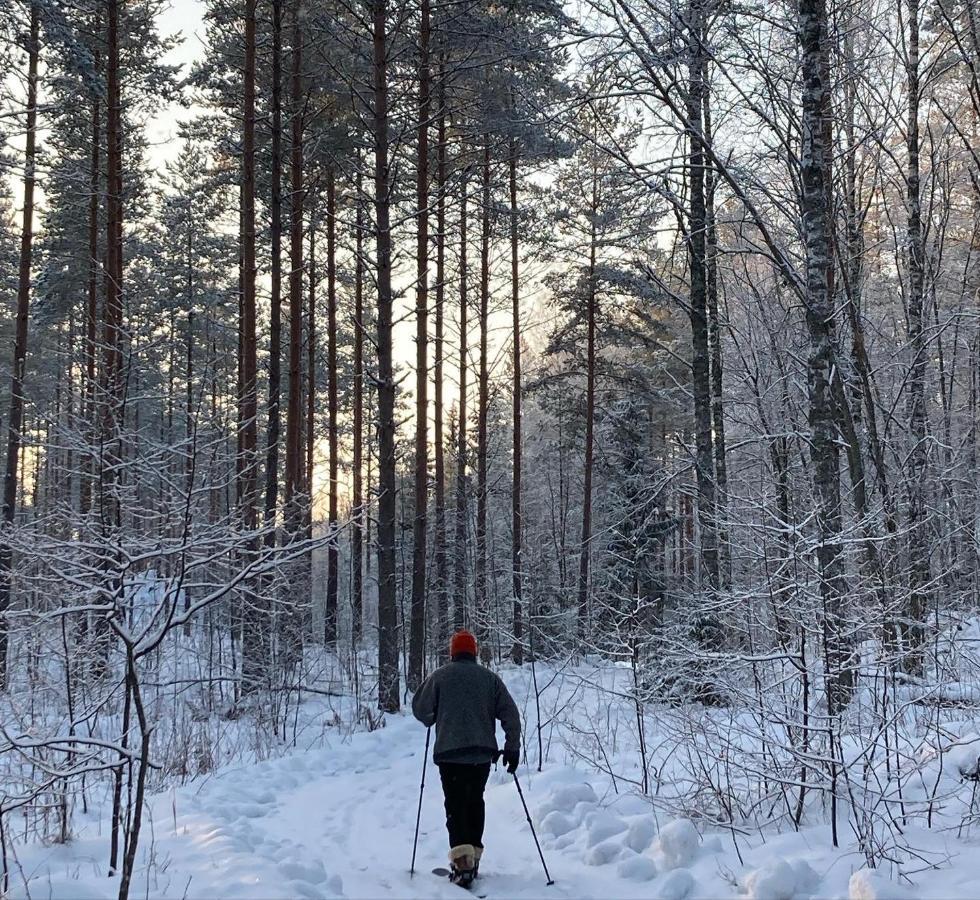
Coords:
464,700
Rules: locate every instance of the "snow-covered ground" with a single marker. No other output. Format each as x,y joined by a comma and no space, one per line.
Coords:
337,820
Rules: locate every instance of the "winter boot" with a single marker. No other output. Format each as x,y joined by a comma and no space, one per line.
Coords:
462,862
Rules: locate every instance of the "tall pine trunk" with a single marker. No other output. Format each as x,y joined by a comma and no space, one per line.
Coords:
441,573
459,602
388,676
252,624
15,416
91,308
275,279
333,550
416,654
295,489
517,522
481,599
357,517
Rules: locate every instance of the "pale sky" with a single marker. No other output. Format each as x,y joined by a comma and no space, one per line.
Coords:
184,18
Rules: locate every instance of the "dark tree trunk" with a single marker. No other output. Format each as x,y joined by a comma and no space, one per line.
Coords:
248,427
481,600
590,373
357,518
91,307
815,156
919,576
459,601
441,574
388,676
714,344
700,350
295,490
416,654
333,554
517,522
275,279
15,416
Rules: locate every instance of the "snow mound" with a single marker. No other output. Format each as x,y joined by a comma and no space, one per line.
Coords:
675,885
630,805
866,884
641,834
567,798
965,756
780,880
602,825
604,853
677,845
556,824
637,868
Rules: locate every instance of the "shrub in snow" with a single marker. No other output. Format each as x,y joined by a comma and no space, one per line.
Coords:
637,868
677,844
675,885
602,824
866,884
641,834
604,853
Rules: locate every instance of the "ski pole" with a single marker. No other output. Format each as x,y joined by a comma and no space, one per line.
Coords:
418,818
547,874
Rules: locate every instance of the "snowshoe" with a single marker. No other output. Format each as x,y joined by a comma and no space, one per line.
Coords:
448,873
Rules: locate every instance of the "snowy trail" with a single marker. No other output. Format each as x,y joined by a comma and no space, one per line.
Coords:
341,821
337,822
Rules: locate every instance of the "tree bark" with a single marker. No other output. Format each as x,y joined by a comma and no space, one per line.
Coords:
416,654
388,676
248,426
483,401
715,349
91,308
15,416
441,574
516,518
815,163
275,279
294,489
700,350
333,550
357,518
459,603
919,575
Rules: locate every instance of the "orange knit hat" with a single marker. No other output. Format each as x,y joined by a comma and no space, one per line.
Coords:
462,642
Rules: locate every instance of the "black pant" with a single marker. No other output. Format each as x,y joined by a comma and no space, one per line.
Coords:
463,785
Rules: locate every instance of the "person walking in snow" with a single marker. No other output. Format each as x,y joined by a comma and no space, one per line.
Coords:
464,700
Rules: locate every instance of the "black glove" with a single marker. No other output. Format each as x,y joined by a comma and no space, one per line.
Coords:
511,759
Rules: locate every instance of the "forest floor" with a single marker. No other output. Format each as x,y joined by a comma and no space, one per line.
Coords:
337,820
